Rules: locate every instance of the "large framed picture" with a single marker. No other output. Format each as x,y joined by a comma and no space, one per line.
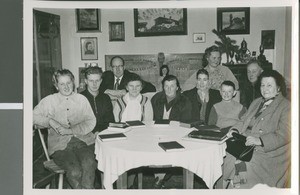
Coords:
160,22
233,20
116,31
88,20
89,48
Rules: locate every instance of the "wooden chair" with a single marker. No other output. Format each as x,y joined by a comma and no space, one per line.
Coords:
50,164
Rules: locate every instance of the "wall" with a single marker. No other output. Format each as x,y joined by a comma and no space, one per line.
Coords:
199,20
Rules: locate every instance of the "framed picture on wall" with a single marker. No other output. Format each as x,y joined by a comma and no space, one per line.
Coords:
89,48
116,31
233,20
88,20
199,37
268,39
160,22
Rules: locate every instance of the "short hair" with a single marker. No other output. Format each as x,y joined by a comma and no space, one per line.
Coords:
228,83
253,61
93,70
115,57
208,52
162,67
87,44
279,80
171,78
135,77
62,72
202,71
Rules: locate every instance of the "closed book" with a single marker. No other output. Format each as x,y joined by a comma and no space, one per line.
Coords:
171,146
112,137
209,135
162,122
135,123
118,125
207,127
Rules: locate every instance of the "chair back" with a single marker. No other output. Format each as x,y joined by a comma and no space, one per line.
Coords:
43,144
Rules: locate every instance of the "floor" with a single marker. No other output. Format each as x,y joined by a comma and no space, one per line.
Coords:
175,182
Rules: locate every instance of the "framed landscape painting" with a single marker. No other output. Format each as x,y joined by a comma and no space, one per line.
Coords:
88,20
160,22
233,20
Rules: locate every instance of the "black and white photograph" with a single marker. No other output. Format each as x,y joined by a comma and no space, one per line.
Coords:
88,20
156,112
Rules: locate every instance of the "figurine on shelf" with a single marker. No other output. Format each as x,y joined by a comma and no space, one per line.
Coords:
262,58
244,54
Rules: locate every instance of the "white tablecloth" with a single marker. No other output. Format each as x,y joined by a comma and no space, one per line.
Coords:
141,149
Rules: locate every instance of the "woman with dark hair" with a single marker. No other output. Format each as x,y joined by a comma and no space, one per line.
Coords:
202,97
217,73
170,103
266,125
133,105
163,71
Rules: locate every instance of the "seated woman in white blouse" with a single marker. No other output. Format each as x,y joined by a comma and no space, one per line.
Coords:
133,105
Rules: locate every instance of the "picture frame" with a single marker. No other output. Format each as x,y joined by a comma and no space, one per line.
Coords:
268,39
88,20
160,22
116,31
232,21
89,48
199,38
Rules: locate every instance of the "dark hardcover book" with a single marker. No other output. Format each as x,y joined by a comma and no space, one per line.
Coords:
209,135
113,136
118,125
162,122
171,146
135,123
207,127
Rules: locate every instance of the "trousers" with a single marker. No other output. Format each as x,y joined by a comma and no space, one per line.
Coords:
78,160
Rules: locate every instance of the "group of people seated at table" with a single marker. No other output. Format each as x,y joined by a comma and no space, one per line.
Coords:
263,115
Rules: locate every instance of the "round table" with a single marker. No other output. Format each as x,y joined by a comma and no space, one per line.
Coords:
141,148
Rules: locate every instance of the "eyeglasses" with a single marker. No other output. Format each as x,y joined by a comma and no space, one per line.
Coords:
115,67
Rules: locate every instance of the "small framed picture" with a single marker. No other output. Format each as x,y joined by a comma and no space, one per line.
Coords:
88,20
268,39
199,38
89,48
233,21
116,31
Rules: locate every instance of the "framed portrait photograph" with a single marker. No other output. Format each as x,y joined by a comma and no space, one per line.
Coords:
88,20
199,38
233,20
268,39
116,31
89,48
160,22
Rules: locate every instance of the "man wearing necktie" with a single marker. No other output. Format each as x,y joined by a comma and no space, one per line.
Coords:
114,81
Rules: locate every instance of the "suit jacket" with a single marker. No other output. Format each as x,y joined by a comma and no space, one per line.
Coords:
108,80
214,97
270,164
181,110
102,108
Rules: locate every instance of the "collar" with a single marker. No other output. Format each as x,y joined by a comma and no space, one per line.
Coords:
120,78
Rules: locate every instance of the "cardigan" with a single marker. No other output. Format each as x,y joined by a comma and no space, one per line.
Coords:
181,109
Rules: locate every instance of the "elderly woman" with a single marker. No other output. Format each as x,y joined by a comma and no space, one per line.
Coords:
217,73
70,121
170,104
133,105
202,97
266,125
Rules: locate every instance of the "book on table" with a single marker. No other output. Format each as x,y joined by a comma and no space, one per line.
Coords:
171,146
162,122
112,136
209,133
135,123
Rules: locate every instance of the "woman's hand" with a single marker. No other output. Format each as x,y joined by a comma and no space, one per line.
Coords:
64,131
231,130
253,141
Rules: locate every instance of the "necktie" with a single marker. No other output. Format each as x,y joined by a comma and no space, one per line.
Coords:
117,84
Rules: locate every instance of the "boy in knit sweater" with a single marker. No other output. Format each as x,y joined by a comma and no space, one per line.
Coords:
227,112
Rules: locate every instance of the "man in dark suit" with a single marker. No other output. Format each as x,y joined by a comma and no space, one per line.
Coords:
114,82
